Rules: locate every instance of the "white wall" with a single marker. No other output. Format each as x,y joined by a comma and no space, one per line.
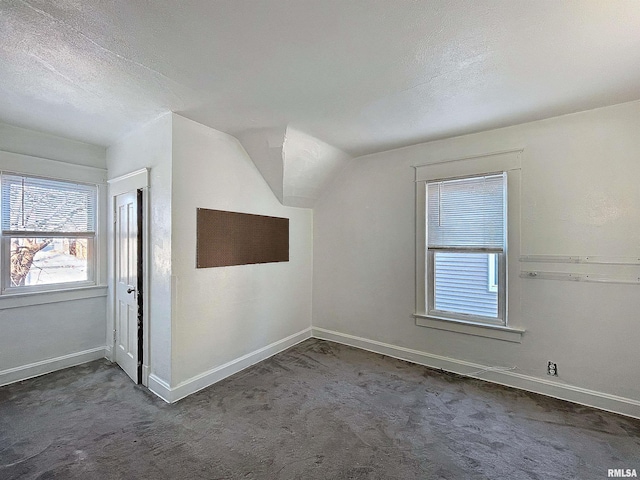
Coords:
309,164
150,147
38,144
580,196
224,313
43,332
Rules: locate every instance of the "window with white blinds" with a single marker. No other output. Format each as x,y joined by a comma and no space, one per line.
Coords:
48,233
46,206
466,213
465,247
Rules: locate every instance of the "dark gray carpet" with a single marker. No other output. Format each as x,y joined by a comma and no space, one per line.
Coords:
317,411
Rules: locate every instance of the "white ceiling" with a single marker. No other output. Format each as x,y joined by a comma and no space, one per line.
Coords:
362,75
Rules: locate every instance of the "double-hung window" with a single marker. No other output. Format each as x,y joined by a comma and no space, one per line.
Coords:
466,248
48,233
468,245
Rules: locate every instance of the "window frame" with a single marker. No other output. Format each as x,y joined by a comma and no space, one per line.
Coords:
6,289
493,268
508,161
501,318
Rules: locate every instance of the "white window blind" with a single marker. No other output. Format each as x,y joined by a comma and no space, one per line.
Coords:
467,213
41,205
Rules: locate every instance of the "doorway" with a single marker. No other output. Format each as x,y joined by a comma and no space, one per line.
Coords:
129,321
128,283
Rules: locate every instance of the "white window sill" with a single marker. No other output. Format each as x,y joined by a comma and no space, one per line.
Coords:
27,299
499,332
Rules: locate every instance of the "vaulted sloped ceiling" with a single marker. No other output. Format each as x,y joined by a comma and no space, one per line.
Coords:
296,165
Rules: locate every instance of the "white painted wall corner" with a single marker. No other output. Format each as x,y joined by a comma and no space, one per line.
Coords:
160,387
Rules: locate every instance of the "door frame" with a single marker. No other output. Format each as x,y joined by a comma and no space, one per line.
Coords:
134,181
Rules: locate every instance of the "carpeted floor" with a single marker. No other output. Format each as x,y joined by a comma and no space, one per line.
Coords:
317,411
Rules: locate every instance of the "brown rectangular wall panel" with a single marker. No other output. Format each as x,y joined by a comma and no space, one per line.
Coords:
231,238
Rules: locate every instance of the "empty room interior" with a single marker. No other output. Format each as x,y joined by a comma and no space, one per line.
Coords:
351,239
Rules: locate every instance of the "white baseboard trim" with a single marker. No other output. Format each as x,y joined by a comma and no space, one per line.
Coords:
205,379
160,387
146,371
604,401
24,372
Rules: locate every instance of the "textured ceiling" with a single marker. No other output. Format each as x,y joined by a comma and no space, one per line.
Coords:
362,75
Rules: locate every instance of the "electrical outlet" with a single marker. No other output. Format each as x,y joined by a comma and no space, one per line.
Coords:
552,369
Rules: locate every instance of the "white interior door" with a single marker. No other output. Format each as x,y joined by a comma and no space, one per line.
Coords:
126,279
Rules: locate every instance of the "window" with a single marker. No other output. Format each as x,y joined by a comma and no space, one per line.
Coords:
465,233
48,233
468,245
